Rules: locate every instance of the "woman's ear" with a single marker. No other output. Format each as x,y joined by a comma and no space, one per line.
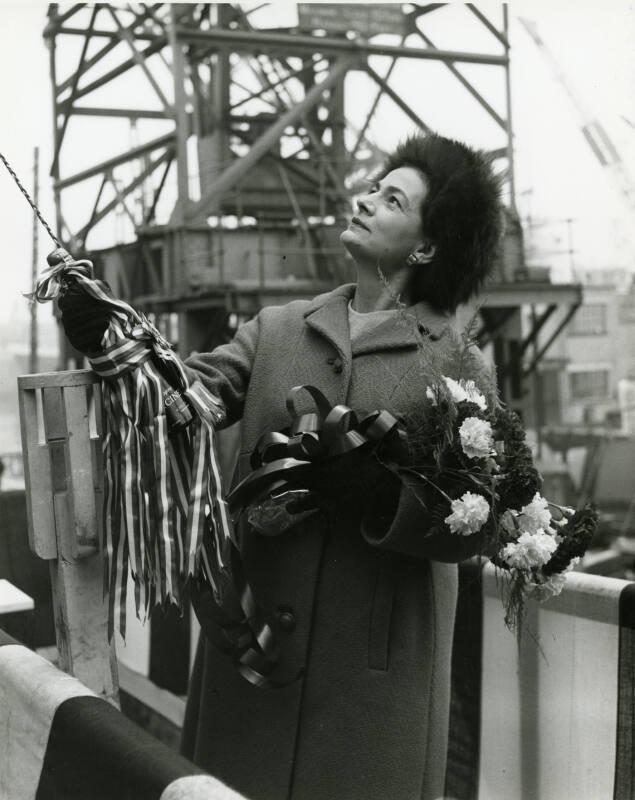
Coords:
424,253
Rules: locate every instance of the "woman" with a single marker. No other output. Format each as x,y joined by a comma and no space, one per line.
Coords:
362,601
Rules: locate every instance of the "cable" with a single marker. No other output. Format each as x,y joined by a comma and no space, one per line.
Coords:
30,201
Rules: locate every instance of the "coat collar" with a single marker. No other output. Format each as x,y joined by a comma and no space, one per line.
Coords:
328,314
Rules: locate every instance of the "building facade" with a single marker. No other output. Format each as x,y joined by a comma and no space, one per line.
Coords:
585,376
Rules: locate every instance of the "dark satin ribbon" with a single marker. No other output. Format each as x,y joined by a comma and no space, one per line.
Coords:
242,632
278,461
328,433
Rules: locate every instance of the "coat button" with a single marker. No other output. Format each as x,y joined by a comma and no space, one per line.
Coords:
336,363
286,620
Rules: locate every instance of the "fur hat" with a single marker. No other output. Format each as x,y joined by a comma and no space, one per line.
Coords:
462,215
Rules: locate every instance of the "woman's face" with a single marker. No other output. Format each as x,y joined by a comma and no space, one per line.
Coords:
387,226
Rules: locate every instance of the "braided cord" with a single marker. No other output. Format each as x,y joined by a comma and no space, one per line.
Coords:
30,201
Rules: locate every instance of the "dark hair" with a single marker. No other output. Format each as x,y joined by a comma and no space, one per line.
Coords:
462,215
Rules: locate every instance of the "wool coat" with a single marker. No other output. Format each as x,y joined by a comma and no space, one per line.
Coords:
366,612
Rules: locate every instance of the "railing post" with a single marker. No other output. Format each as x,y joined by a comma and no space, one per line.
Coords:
64,485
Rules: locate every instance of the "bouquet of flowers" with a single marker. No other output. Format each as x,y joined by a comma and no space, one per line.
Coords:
471,467
465,459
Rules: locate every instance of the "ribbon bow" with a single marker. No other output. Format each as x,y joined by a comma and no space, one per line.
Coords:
62,266
281,461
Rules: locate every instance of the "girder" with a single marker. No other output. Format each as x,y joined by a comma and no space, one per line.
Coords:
245,149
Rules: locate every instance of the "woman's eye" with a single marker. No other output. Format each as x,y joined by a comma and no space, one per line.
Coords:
394,200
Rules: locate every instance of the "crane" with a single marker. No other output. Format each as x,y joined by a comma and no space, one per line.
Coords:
592,129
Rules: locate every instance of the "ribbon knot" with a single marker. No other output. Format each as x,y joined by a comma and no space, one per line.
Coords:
282,461
51,281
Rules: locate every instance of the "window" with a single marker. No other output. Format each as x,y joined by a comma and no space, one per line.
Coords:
592,383
589,320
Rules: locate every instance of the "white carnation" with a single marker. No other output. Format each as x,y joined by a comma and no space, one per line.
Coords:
460,391
456,389
473,394
542,588
469,514
477,439
530,550
535,516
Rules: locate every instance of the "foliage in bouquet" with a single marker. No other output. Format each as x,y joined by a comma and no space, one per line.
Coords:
452,456
468,462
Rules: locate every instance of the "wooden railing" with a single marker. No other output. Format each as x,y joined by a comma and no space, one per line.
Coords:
557,712
61,444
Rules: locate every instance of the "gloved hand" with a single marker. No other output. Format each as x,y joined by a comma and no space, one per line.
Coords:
356,483
84,319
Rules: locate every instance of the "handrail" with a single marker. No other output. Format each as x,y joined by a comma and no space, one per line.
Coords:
556,718
586,596
61,444
58,739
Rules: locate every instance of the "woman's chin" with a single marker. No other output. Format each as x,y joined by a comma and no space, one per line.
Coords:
351,242
346,236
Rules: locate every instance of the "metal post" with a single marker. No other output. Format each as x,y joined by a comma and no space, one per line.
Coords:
321,189
261,252
570,243
221,251
537,389
220,86
63,343
338,124
182,121
34,263
510,127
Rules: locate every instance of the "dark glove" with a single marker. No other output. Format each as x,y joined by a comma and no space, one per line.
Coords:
84,318
357,484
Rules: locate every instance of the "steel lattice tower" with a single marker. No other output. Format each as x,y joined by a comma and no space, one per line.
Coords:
239,165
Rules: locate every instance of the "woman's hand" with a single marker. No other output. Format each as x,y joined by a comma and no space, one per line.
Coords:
356,483
84,319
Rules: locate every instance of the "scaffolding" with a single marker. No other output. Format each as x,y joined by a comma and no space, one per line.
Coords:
231,182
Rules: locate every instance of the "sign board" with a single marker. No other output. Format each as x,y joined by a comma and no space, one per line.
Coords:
366,19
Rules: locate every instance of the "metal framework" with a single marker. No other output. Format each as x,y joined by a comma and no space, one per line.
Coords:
237,192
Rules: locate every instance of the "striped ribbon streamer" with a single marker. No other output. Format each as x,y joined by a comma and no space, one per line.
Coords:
165,517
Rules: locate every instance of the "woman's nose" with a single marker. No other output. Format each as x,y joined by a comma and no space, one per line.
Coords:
365,204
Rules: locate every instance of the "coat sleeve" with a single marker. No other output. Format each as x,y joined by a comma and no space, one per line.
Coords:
409,530
226,371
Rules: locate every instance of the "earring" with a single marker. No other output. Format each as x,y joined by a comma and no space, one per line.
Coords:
413,258
429,250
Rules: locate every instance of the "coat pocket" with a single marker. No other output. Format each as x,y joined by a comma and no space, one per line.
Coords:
380,618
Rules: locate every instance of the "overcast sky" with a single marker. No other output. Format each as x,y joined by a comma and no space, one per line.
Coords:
557,175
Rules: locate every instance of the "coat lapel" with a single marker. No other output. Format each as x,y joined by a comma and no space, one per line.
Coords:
328,315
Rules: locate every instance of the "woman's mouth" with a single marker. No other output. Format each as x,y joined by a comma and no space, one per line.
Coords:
357,221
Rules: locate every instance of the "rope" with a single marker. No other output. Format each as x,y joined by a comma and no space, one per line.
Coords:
30,201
